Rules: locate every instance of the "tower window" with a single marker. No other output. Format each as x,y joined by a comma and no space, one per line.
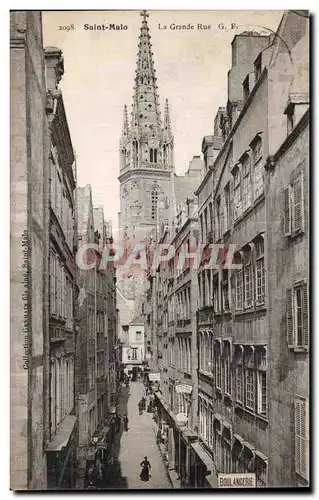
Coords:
154,203
153,155
141,116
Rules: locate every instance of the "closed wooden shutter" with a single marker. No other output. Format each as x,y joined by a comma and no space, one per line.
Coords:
289,316
287,212
301,438
305,313
297,206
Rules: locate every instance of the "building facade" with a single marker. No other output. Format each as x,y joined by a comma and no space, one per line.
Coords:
253,320
29,240
133,348
63,421
96,345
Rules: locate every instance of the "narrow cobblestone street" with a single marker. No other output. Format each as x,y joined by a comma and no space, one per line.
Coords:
139,441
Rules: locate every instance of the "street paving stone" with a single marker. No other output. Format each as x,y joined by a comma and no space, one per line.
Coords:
139,441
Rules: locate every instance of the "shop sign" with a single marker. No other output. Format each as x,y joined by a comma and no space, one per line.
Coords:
154,377
182,418
183,389
236,480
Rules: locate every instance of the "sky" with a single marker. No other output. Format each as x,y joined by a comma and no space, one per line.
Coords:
191,67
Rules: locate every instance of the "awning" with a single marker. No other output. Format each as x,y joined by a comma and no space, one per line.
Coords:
261,456
212,480
205,458
62,437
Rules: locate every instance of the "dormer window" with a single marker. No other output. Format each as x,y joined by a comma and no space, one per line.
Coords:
257,67
246,88
296,106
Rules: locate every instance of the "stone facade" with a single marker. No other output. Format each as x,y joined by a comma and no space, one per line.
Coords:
63,422
252,320
96,360
29,246
246,365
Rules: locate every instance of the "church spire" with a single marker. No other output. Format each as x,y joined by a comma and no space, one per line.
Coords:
146,114
125,127
167,123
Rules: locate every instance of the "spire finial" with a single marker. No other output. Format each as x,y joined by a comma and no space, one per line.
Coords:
125,128
144,14
167,121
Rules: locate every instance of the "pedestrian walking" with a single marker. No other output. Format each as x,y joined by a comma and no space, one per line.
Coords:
145,473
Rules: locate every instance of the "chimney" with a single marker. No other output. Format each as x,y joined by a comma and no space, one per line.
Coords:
245,49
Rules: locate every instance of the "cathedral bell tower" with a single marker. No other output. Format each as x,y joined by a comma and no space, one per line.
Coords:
146,151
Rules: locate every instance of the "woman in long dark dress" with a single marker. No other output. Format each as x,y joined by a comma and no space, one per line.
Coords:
145,473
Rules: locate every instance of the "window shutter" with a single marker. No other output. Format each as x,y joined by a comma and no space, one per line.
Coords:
297,198
287,212
289,316
301,437
305,313
297,435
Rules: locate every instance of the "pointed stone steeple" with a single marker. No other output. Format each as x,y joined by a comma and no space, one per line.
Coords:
167,131
125,127
146,114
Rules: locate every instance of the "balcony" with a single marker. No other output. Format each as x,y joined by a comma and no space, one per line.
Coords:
181,323
206,315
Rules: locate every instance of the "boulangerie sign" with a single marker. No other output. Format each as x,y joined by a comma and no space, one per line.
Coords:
159,182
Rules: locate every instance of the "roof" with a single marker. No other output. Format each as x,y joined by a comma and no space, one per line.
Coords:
138,321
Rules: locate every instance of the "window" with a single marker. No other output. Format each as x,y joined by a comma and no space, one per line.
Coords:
138,336
290,119
246,88
205,223
227,369
227,457
297,315
226,207
154,204
239,289
260,271
216,293
262,393
134,353
247,187
248,281
218,232
237,194
258,169
294,207
257,67
301,437
218,451
225,290
218,370
239,376
250,389
53,261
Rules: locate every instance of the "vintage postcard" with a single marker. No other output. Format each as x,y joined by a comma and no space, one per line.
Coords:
159,250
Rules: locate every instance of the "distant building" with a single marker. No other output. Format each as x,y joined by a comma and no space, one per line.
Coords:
96,346
133,348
